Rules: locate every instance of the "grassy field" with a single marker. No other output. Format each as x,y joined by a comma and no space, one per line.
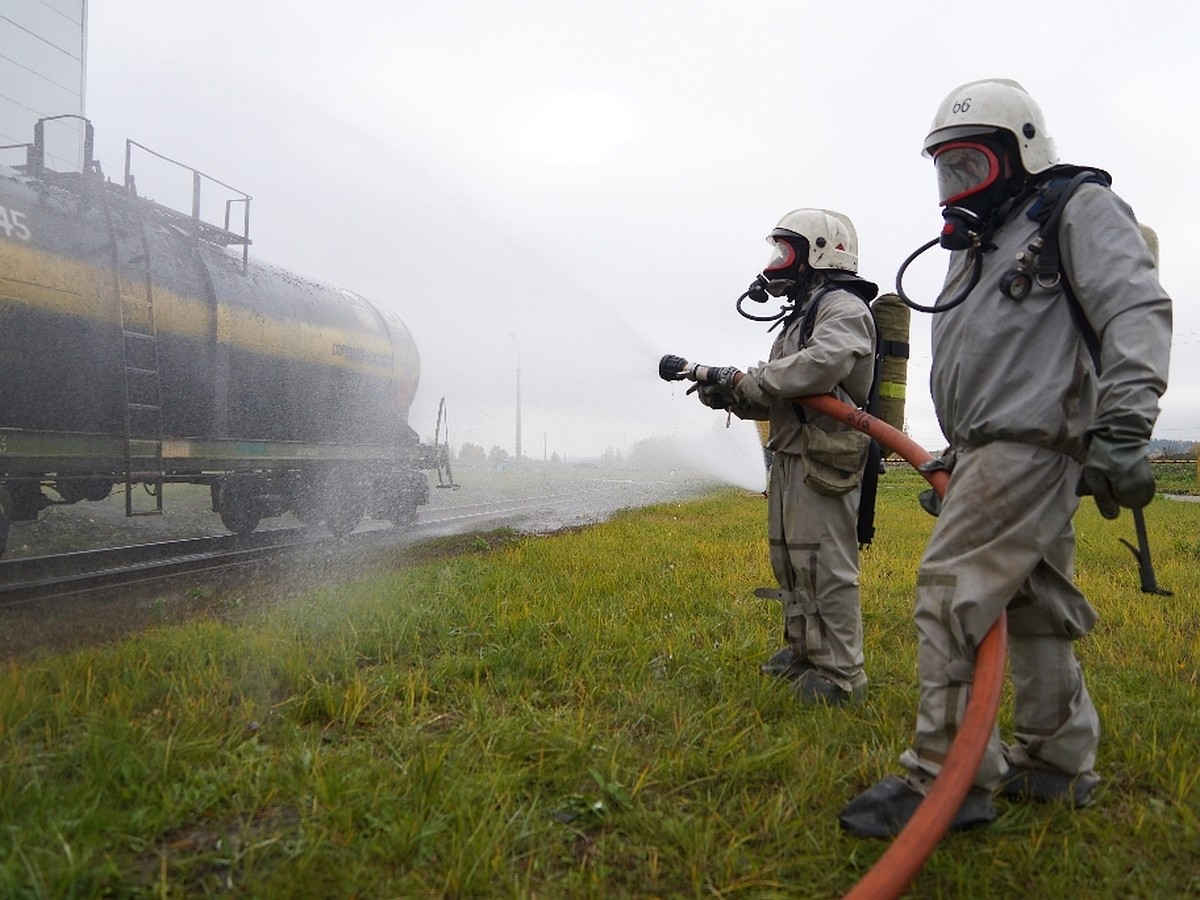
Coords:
578,715
1178,477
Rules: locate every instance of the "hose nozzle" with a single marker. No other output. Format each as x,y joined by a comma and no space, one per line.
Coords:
676,368
673,368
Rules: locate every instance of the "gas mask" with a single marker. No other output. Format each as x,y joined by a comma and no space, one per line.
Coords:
784,275
970,186
972,183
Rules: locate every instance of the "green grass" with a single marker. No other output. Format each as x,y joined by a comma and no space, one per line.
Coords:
578,715
1177,477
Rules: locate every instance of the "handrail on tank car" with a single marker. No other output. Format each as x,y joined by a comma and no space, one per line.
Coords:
27,147
35,153
209,231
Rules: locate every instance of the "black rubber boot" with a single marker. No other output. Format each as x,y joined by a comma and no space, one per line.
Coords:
1044,783
813,688
784,664
884,810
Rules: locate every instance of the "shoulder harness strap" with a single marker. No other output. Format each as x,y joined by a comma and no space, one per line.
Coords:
1047,210
865,529
810,313
807,323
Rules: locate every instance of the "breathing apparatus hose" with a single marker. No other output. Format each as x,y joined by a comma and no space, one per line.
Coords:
976,272
894,870
759,294
750,294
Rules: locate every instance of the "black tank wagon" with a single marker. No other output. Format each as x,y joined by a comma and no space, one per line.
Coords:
139,347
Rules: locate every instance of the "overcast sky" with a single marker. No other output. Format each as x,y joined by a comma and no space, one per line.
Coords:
585,186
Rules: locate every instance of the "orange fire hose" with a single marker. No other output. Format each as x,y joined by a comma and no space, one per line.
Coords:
894,870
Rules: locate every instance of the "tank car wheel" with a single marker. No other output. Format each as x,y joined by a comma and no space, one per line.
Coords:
235,505
404,514
327,501
26,500
305,504
400,504
342,515
335,497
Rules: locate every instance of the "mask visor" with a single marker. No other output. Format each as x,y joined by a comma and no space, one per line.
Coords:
781,271
783,255
964,168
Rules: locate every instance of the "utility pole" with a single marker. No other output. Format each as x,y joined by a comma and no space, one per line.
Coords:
518,346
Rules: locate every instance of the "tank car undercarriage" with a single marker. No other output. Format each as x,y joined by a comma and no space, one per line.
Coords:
338,497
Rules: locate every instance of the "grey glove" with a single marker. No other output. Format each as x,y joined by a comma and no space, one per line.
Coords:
715,396
1116,471
929,499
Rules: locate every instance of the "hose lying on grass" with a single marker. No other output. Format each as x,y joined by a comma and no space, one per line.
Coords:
894,870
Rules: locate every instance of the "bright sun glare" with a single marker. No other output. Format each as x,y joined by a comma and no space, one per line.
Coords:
574,128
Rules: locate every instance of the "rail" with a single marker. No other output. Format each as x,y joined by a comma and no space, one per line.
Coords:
66,574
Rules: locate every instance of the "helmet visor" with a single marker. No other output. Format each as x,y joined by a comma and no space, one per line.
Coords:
964,168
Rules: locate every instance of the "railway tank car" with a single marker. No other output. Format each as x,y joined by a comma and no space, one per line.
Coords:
138,348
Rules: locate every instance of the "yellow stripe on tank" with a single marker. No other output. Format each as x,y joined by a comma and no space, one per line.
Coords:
58,285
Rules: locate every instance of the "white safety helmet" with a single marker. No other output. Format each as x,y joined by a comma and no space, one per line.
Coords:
832,240
991,105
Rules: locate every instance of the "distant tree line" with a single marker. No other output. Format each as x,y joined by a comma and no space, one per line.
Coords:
1173,450
651,453
472,456
668,453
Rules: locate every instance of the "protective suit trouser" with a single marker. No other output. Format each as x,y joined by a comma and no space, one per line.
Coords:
814,555
1005,539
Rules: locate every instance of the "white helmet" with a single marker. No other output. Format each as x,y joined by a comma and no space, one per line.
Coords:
832,240
995,104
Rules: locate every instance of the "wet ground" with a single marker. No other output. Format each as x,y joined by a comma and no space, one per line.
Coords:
549,498
487,509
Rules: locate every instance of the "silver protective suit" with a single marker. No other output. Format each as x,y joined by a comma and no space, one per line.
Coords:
812,535
1016,393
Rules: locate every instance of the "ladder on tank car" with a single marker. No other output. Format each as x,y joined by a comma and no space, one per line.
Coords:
143,384
130,261
139,358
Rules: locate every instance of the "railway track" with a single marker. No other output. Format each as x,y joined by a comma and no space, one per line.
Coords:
63,575
69,574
